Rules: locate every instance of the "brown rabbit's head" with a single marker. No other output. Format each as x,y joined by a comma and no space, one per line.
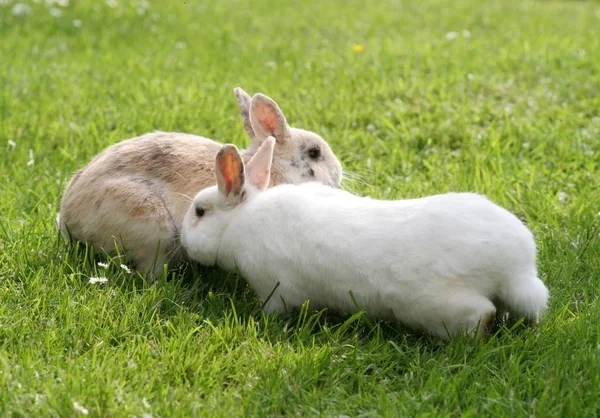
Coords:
299,156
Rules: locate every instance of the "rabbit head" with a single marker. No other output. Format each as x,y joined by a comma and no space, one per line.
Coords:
213,208
299,156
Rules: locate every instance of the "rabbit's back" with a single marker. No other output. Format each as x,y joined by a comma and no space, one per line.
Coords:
136,192
163,156
322,243
176,165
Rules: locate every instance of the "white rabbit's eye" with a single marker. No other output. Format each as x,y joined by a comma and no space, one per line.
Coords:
314,153
199,211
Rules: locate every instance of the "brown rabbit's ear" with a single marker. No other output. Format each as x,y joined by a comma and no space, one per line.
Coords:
268,120
259,167
229,170
244,101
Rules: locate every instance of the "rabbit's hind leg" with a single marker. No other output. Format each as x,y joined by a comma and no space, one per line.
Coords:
129,215
454,311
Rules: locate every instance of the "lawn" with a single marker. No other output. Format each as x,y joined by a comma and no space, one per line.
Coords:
415,98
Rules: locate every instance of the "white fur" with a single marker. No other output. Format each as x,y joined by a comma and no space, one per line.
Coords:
439,263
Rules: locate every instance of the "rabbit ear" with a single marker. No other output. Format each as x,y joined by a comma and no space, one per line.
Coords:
259,167
267,119
229,170
244,101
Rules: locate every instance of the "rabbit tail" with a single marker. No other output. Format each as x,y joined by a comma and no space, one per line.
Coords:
526,296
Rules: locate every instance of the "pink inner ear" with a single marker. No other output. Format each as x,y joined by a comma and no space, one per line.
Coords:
267,118
229,166
263,181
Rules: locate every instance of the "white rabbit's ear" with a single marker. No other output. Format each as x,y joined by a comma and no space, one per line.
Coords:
229,170
244,101
268,120
258,169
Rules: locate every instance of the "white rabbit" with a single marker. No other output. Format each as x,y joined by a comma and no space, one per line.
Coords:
133,196
442,264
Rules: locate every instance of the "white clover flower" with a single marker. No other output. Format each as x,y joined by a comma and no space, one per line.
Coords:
80,408
31,161
21,9
103,265
562,197
125,268
451,35
94,280
11,143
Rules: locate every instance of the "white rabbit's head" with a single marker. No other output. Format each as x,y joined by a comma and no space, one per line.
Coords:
213,208
299,156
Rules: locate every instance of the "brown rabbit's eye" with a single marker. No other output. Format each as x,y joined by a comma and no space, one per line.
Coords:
314,153
199,211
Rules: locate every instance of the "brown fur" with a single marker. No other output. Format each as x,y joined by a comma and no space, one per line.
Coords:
133,195
135,178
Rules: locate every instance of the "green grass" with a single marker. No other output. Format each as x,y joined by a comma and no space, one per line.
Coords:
508,108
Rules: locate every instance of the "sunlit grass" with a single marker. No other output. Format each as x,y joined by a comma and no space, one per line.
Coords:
415,98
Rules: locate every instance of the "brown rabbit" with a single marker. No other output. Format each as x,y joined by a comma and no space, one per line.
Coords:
132,197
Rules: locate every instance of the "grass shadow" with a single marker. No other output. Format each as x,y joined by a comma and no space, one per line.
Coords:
217,296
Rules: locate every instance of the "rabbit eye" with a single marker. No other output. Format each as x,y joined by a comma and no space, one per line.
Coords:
199,211
314,153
